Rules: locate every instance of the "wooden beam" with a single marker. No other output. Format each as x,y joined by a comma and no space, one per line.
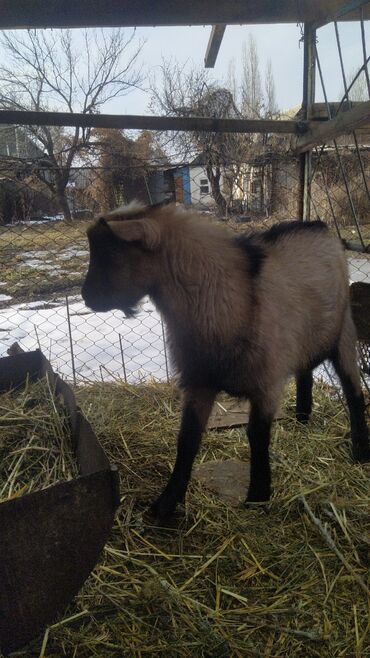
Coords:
319,112
143,13
325,131
309,80
214,44
136,122
360,303
346,10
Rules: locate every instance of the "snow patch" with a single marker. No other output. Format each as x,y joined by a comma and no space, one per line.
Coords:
95,337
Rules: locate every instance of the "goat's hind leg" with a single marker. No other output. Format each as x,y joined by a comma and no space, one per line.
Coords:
197,406
304,382
345,363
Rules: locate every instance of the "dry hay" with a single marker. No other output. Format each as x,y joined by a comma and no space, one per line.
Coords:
283,580
35,447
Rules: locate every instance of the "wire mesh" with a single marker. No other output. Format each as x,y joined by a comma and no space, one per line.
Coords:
248,181
44,257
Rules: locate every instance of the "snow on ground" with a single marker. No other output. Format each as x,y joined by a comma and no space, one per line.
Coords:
72,252
359,269
37,264
45,219
96,336
95,339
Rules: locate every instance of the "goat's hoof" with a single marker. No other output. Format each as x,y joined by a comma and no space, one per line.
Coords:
258,497
163,507
302,418
361,454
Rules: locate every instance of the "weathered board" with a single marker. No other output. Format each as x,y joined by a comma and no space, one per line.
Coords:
232,413
50,540
360,303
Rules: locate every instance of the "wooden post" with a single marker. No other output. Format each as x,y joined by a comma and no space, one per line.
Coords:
307,103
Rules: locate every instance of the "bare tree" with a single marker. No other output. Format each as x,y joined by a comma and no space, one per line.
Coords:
184,91
251,87
271,107
52,71
191,92
360,91
123,168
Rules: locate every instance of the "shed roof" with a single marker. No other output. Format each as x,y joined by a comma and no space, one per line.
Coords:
95,13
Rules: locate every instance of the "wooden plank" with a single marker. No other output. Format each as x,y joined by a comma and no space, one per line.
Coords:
137,122
229,479
232,413
360,303
324,132
319,111
142,13
214,44
346,10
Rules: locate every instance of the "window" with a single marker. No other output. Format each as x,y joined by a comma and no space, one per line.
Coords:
204,186
256,186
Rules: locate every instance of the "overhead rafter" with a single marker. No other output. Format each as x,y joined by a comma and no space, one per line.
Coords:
137,122
347,9
95,13
325,131
320,112
214,44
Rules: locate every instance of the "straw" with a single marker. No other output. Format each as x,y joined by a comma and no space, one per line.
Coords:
218,581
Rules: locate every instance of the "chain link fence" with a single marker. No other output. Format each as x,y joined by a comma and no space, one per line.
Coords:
44,256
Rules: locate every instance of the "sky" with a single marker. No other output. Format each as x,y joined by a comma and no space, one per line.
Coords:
280,43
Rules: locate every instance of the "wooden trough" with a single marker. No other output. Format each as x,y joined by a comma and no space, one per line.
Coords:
50,540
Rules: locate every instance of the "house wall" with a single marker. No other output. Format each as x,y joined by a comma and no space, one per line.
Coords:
197,197
183,185
285,188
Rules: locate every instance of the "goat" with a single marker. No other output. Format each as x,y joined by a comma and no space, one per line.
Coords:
242,314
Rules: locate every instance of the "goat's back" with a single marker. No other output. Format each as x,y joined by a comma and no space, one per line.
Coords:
303,291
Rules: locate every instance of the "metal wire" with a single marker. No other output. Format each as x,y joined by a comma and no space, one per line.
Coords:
353,210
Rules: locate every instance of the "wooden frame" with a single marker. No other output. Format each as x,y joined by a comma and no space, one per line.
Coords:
95,13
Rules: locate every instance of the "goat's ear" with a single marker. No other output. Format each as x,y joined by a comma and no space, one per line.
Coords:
144,231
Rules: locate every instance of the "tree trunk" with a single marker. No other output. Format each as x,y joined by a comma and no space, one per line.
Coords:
63,206
214,179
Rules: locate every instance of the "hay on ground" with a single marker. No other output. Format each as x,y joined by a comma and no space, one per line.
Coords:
35,445
288,579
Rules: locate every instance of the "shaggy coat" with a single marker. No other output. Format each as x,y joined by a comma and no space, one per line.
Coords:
242,313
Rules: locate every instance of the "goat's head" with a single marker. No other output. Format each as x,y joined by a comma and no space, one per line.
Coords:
123,259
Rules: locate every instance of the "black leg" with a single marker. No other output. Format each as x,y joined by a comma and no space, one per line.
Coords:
304,382
196,410
259,429
350,381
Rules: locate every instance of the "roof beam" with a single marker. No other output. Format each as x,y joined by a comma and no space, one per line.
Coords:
214,44
319,112
145,13
136,122
348,9
324,131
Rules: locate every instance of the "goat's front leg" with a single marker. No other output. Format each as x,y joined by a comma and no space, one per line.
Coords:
259,429
197,406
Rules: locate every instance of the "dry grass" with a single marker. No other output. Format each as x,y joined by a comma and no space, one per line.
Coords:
219,581
49,242
35,448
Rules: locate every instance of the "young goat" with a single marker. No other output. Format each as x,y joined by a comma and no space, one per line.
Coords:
242,315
